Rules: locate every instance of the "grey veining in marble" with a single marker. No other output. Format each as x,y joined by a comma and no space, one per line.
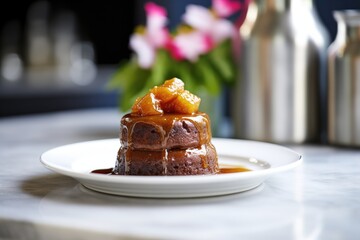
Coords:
319,200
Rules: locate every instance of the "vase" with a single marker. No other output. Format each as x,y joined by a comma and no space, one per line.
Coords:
344,80
278,94
213,105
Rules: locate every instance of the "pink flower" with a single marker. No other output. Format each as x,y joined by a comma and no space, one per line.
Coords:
225,8
209,29
155,24
190,45
155,36
201,19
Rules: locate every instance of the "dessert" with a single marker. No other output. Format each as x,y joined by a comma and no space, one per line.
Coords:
166,135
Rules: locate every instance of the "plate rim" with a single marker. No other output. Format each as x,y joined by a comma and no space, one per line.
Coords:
173,180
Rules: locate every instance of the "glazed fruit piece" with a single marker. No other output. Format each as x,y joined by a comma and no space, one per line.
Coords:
169,90
167,98
147,105
184,103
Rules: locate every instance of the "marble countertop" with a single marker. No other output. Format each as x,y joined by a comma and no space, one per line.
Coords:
318,200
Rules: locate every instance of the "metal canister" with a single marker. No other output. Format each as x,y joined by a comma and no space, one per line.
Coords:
282,62
344,80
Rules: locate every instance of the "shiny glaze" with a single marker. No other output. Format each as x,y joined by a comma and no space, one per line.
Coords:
165,123
222,170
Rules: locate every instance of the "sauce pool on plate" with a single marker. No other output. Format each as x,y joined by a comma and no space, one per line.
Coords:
224,169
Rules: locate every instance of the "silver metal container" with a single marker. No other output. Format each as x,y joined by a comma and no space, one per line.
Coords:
344,81
277,96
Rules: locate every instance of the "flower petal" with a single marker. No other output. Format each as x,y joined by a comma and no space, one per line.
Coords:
190,45
155,27
174,50
199,18
155,16
158,37
222,29
154,9
225,8
144,50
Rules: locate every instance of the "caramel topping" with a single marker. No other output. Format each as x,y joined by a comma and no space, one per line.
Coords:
147,105
171,97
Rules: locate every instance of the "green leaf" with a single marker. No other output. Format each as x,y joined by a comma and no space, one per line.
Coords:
222,60
130,80
120,78
184,72
210,78
128,99
139,85
159,68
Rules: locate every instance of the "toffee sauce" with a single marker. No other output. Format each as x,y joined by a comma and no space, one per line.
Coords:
222,170
164,125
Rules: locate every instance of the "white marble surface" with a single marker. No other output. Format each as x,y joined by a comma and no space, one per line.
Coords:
319,200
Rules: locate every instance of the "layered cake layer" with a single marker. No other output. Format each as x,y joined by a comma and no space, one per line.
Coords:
191,161
165,131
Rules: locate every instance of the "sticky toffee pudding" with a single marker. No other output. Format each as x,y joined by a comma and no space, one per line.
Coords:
166,135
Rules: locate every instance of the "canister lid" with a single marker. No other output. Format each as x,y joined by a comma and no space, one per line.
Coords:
349,16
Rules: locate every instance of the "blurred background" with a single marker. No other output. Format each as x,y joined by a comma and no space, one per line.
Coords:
59,55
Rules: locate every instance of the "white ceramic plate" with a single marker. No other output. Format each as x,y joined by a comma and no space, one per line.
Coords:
79,159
